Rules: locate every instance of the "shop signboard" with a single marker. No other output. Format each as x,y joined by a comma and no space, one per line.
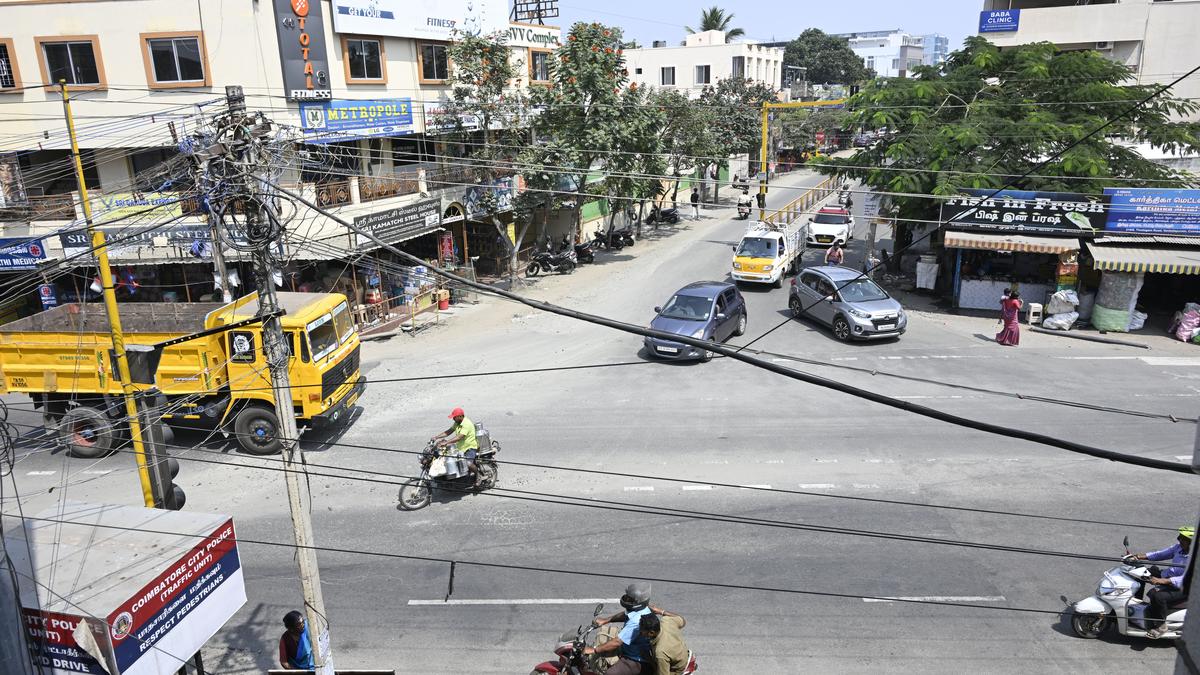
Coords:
48,296
401,223
334,121
121,205
300,27
999,20
123,239
21,254
1153,211
501,190
537,37
1020,211
429,19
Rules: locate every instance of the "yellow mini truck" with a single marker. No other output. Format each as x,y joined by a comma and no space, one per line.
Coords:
62,358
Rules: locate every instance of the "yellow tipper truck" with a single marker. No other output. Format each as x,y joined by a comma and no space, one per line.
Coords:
62,358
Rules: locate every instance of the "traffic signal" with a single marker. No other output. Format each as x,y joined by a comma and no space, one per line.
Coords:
163,468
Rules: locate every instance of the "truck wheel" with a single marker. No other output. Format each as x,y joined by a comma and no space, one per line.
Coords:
257,430
778,283
87,433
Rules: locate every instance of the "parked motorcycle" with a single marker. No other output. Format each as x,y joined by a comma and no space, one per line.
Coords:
660,215
626,235
1120,600
450,473
545,261
585,251
613,243
571,644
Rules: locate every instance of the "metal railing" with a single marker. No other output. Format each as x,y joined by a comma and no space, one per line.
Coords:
798,206
334,193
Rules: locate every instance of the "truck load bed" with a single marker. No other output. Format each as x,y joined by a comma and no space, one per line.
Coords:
136,317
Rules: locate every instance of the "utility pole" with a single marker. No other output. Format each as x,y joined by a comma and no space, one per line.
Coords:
260,215
110,307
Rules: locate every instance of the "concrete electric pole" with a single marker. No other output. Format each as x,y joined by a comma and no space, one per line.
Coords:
264,231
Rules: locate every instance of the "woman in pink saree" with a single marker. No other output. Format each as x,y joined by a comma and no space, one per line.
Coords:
1010,312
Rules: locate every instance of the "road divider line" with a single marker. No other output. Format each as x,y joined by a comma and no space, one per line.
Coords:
939,598
639,488
758,487
866,486
99,472
697,487
1170,360
1183,458
817,486
512,601
40,473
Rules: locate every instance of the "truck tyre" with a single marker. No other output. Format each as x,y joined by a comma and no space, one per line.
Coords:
87,433
257,430
778,283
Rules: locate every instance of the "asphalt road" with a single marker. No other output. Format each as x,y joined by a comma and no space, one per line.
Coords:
833,481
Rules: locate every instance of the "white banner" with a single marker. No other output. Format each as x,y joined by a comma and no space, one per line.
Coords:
432,19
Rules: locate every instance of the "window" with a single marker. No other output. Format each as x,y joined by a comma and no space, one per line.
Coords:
10,77
365,60
703,74
739,66
637,71
895,64
668,76
74,59
175,59
539,66
435,65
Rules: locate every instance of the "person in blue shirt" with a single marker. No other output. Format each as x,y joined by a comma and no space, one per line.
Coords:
295,649
636,657
1168,581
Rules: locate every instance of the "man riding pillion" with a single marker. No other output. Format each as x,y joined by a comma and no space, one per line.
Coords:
1168,582
462,436
671,654
636,657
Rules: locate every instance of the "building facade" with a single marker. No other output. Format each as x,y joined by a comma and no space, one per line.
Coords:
887,53
1156,39
360,92
935,49
701,61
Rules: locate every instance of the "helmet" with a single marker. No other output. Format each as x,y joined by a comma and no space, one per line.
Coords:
637,595
1187,531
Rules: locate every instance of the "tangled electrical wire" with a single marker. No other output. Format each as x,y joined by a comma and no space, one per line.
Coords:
8,435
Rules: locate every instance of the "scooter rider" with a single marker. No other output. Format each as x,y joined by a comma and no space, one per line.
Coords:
744,199
636,657
1168,582
462,436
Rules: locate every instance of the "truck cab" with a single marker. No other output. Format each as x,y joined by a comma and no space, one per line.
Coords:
764,254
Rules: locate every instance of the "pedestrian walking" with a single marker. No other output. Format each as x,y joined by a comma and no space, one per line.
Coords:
834,255
295,649
1010,313
695,203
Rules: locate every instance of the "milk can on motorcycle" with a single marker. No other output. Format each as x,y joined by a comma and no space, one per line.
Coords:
449,473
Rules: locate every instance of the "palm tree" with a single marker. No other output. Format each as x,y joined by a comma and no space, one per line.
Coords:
715,18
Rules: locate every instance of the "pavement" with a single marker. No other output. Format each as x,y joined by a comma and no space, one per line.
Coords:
804,505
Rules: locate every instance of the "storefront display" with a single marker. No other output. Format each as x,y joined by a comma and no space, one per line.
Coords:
987,264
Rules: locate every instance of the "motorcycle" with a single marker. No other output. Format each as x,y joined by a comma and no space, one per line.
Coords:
571,644
551,262
613,243
450,473
584,250
1120,599
660,215
743,210
626,235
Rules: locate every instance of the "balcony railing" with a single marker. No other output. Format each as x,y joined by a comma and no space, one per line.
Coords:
334,193
371,188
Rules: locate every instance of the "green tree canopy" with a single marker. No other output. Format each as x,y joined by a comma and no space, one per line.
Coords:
715,18
988,115
828,59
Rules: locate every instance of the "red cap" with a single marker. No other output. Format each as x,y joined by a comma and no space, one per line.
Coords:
456,412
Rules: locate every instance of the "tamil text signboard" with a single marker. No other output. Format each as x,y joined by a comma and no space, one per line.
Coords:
123,240
430,19
401,223
999,20
333,121
1054,213
300,28
21,254
1153,211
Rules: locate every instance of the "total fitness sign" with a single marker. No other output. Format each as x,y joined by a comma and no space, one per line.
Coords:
999,20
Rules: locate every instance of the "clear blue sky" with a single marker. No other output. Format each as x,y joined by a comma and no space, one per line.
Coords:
649,20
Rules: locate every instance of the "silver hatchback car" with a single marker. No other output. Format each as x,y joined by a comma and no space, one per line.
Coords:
855,307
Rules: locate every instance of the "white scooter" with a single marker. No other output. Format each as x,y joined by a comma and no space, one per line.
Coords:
1121,596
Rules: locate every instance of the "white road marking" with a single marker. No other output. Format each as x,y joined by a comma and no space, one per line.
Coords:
639,488
773,461
845,358
99,472
697,487
716,461
1183,458
826,461
940,598
931,397
817,486
1098,358
40,473
865,486
1170,360
760,487
513,601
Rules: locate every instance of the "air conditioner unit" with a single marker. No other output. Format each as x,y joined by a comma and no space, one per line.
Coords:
1104,45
